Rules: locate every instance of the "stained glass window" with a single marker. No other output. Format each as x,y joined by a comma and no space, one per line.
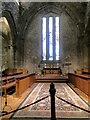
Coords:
50,38
44,37
57,37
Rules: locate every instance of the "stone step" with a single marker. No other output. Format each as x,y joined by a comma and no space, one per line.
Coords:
55,81
48,118
51,78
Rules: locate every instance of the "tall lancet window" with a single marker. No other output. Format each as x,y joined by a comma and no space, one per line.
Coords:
50,38
44,38
57,38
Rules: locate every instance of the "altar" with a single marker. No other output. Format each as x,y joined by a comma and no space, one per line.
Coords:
51,70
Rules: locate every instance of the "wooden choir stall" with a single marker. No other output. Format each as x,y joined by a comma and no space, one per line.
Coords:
81,81
19,83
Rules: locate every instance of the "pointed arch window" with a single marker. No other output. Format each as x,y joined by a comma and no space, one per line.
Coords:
50,38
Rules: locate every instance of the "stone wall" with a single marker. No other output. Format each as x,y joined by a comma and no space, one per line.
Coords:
87,36
28,28
13,8
68,42
10,12
88,32
71,39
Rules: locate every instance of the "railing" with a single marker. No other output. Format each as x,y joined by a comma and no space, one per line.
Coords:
52,91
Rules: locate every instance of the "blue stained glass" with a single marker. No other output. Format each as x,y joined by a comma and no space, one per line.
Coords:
57,37
50,38
44,37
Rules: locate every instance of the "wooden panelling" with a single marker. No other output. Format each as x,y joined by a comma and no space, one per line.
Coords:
80,81
23,84
32,80
20,81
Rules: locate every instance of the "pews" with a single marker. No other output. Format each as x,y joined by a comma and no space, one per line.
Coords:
11,72
7,82
16,73
81,81
21,82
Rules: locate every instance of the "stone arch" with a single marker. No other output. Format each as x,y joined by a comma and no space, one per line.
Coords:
8,16
29,14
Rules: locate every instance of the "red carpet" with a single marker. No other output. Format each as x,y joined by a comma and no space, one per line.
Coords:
42,109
